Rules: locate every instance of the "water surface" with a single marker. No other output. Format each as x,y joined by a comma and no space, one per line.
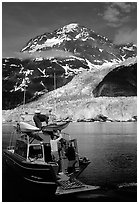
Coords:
111,147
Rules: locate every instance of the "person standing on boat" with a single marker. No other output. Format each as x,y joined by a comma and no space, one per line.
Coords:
52,117
39,118
54,145
71,155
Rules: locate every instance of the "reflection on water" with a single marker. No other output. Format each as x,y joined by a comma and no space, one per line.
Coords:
111,147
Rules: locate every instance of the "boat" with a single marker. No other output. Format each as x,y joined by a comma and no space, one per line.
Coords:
30,158
56,126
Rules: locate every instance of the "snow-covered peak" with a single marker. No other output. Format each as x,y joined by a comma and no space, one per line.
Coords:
68,28
82,42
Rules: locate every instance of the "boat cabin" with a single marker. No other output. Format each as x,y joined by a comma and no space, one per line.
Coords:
33,150
34,146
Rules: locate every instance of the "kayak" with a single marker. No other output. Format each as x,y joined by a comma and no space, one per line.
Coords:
25,127
56,126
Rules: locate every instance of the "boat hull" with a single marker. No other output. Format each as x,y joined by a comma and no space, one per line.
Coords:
39,175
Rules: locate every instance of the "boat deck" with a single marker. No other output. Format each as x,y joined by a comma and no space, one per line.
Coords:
69,185
77,189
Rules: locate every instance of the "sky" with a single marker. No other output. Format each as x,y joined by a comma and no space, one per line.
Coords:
22,21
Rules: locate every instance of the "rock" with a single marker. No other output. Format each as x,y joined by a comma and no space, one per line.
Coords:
100,118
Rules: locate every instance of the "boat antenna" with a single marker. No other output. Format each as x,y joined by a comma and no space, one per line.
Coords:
55,86
54,79
24,98
24,85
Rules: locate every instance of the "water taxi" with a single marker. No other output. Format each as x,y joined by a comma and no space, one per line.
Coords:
30,158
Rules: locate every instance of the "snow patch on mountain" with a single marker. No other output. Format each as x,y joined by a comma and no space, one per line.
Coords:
128,48
101,50
49,43
13,65
90,65
83,35
79,58
68,28
43,72
39,59
105,64
21,86
66,67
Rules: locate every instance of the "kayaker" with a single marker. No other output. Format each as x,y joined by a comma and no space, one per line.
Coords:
39,118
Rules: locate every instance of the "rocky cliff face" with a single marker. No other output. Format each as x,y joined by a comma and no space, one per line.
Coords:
121,81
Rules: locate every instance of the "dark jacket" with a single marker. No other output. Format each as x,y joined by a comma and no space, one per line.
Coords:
39,118
70,153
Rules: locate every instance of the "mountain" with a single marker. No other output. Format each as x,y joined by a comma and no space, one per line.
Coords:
77,98
38,76
81,42
77,50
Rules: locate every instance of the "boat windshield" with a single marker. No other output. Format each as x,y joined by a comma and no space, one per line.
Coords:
35,152
21,148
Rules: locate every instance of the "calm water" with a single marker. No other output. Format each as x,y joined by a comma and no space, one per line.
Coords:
112,149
